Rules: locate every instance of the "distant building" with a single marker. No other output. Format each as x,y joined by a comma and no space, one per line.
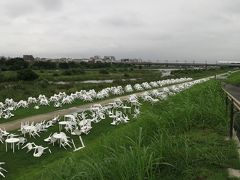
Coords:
228,62
109,59
81,60
28,58
63,59
127,60
96,59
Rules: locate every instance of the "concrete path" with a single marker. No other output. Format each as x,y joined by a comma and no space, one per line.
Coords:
13,125
233,90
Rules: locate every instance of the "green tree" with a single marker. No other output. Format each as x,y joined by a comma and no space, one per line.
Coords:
27,75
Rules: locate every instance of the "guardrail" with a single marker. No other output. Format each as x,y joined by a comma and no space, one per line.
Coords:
234,107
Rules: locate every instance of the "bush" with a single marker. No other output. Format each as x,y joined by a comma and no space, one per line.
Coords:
113,70
27,75
64,65
78,71
82,71
67,73
43,83
2,77
117,81
55,74
103,71
44,65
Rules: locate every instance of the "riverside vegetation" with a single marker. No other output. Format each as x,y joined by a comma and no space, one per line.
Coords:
47,84
182,137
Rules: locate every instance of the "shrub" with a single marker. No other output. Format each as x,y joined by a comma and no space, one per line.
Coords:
67,73
43,83
64,65
117,81
103,71
44,65
114,70
27,75
2,77
55,74
82,71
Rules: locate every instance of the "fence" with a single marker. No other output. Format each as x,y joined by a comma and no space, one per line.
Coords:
234,105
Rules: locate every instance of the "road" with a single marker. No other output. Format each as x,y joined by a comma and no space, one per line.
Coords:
233,90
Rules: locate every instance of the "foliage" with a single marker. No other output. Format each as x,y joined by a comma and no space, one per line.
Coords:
44,65
13,64
195,73
180,138
103,71
64,65
234,78
27,75
67,73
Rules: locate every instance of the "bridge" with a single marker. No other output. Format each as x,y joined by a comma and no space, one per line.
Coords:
184,64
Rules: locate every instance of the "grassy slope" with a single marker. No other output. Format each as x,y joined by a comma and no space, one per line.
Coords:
181,138
30,111
199,72
234,78
95,75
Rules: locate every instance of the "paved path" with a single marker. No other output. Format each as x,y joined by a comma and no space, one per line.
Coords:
233,90
12,125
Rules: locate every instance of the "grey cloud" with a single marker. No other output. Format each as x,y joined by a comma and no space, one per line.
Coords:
123,21
51,4
13,9
232,6
19,8
151,29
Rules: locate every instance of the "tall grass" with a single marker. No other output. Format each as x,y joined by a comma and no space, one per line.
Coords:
234,78
181,138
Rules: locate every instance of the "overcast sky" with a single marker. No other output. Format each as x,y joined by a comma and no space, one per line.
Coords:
148,29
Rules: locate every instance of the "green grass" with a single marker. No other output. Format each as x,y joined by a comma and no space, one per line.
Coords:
22,90
77,75
234,79
19,90
199,73
180,138
30,111
95,75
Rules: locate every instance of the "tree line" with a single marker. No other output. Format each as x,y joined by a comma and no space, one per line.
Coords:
13,64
